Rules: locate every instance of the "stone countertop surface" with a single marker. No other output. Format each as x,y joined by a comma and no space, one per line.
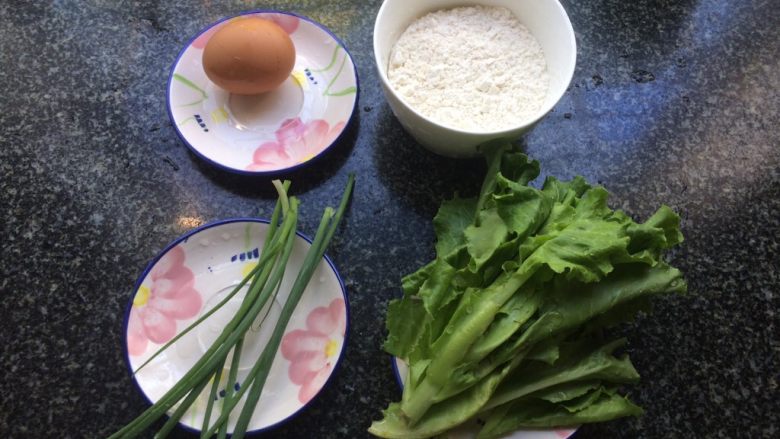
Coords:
672,102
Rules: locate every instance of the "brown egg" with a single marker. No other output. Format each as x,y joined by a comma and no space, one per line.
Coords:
249,56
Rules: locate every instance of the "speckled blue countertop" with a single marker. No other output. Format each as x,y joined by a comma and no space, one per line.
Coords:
672,102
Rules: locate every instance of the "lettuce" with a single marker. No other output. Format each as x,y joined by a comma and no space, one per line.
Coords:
500,324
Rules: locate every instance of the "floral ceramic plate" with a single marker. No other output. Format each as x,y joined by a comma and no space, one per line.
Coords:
277,131
197,271
469,430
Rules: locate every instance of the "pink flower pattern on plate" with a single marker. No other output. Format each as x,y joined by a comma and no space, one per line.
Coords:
296,142
312,351
287,22
169,296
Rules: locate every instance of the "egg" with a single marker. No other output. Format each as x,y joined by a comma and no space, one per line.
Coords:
249,56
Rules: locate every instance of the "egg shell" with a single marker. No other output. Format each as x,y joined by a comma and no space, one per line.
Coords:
249,56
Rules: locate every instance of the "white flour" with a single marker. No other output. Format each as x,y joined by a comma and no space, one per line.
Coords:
472,68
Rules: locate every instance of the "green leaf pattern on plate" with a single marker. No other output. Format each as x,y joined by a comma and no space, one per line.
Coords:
347,91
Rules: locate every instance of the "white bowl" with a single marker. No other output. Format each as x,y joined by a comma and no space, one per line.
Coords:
545,19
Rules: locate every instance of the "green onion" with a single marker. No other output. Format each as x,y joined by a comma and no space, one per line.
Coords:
264,282
212,396
171,422
259,372
270,247
229,388
215,354
316,252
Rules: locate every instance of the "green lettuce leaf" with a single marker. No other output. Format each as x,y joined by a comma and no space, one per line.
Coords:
572,305
449,223
578,361
542,414
567,391
442,416
405,322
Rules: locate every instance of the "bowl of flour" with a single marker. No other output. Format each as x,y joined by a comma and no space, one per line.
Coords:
457,75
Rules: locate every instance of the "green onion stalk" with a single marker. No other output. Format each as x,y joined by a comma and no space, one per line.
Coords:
264,281
259,372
